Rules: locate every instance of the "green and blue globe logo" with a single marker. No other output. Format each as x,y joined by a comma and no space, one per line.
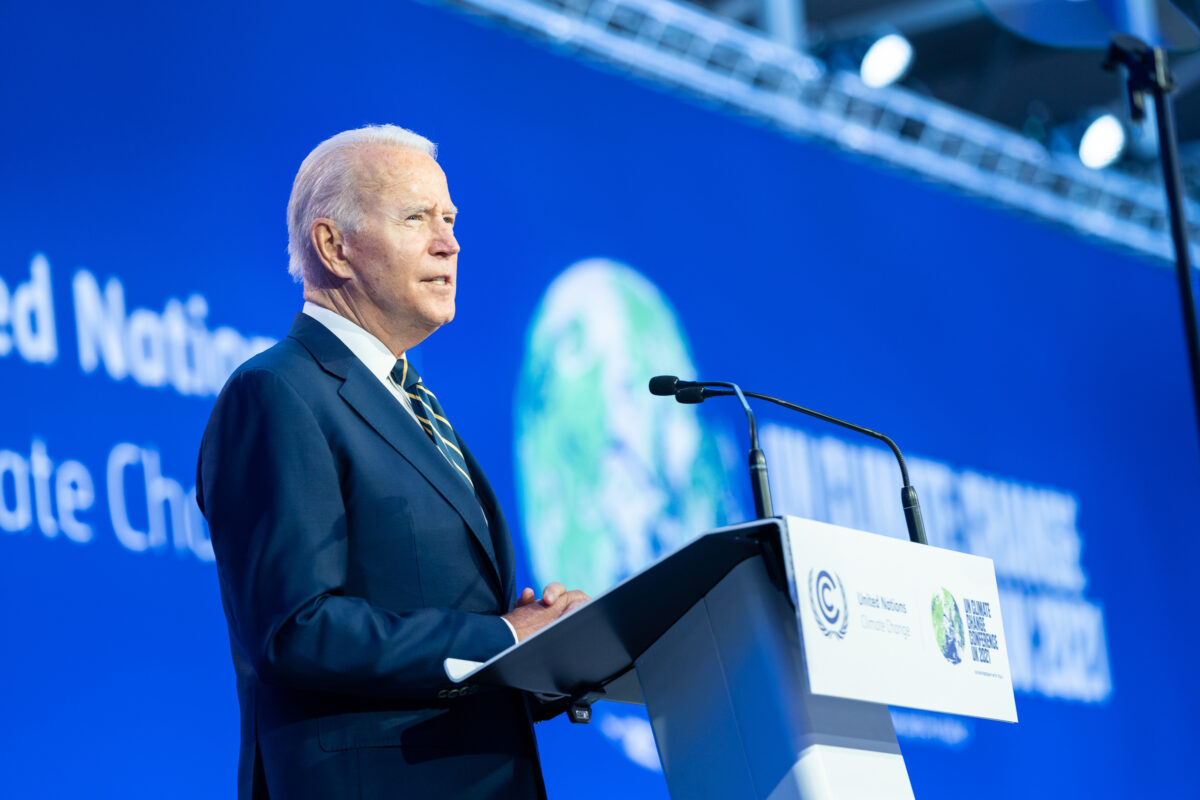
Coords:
948,631
610,476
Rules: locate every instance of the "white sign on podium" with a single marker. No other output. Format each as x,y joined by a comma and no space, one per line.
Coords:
886,622
746,704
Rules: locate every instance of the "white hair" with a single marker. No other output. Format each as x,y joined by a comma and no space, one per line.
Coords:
326,187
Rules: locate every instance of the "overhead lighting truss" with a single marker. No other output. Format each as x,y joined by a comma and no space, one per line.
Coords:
740,68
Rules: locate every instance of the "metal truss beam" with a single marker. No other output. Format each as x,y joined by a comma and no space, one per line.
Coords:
712,58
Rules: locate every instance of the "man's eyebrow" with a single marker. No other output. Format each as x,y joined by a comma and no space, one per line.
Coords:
424,209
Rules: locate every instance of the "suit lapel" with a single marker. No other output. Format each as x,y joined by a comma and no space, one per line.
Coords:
501,538
363,392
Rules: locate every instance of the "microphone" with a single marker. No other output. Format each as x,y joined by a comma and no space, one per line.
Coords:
667,385
760,485
691,392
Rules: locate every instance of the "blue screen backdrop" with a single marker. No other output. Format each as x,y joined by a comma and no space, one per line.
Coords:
611,230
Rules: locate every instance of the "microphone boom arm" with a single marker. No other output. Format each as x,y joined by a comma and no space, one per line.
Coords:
908,494
760,485
874,434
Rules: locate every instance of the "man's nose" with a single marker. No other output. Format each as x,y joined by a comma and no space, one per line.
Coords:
444,243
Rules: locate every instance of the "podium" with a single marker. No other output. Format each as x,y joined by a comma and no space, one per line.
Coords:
767,653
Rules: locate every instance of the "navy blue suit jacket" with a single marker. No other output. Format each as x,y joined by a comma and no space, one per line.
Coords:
352,561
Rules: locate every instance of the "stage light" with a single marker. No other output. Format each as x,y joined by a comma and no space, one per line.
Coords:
886,60
1102,142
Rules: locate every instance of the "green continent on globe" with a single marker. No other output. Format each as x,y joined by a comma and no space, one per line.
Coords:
939,622
609,476
948,628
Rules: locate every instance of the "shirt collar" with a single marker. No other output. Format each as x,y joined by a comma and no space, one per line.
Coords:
373,353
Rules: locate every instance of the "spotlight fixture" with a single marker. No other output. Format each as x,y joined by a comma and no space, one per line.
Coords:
1103,142
886,60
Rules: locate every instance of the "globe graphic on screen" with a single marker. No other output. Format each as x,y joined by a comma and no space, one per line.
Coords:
611,477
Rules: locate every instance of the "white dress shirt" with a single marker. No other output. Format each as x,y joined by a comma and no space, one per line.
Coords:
366,347
377,358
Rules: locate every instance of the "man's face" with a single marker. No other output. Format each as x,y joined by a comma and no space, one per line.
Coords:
405,255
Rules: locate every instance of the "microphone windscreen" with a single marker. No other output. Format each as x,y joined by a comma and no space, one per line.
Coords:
663,385
690,395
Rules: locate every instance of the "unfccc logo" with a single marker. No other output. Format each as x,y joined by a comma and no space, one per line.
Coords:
829,606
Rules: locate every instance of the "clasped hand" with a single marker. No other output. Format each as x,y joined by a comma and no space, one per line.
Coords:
533,613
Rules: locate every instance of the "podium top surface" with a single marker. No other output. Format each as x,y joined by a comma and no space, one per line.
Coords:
596,645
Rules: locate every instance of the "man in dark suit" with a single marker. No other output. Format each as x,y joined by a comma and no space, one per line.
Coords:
358,543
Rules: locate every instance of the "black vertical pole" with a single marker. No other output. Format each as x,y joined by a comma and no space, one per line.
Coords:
1173,183
1146,71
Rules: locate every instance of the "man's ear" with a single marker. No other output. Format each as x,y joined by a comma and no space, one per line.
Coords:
329,244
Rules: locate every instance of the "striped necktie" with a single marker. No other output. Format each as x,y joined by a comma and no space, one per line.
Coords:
431,416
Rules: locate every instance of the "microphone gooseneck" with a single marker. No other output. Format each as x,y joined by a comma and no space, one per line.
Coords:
908,494
707,393
693,392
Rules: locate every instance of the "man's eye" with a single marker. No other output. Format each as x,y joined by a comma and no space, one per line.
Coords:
448,220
